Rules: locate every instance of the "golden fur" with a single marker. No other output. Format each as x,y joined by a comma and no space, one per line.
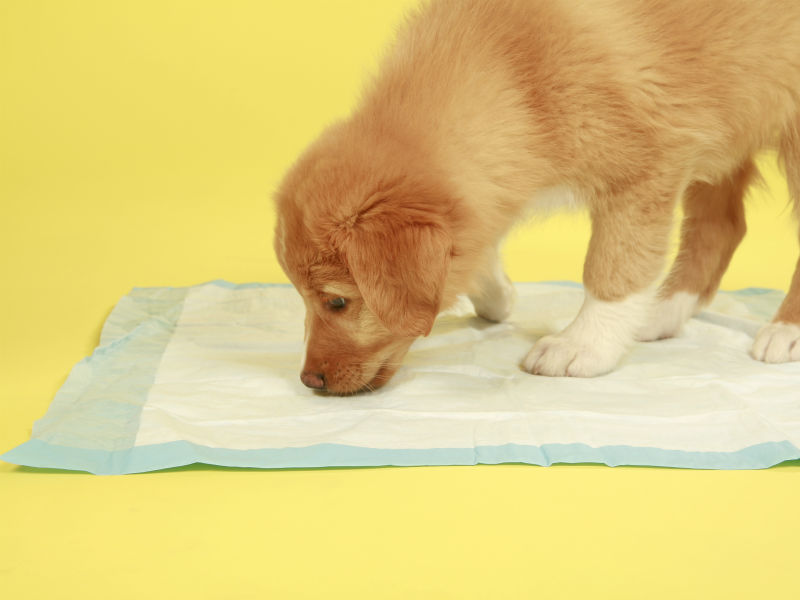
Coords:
480,107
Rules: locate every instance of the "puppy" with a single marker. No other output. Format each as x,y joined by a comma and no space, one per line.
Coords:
486,109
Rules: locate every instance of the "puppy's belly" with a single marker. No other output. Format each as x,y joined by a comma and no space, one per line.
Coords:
555,198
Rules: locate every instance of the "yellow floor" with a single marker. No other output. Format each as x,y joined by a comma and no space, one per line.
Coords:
139,143
450,532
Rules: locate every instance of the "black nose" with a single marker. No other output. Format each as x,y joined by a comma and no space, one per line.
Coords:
313,380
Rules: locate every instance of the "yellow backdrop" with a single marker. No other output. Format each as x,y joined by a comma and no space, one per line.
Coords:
139,144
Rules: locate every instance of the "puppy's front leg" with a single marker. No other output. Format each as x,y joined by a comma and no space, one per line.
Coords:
630,236
494,295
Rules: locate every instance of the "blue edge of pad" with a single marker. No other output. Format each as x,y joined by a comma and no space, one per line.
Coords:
36,453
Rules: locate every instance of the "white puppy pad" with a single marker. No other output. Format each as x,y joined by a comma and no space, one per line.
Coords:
210,374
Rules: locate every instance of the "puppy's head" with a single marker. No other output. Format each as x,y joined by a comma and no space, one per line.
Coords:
368,247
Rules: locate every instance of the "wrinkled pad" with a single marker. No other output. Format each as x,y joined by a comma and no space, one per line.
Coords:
210,374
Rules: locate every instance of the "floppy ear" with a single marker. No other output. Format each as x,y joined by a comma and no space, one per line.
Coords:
400,269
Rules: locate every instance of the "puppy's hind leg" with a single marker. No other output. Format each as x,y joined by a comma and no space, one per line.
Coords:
630,238
713,225
494,294
780,340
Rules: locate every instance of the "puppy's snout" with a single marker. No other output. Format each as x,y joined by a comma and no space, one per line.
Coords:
315,381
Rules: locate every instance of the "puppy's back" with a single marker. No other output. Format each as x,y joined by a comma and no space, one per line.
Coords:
718,77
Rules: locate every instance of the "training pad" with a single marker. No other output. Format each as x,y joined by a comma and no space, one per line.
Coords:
210,374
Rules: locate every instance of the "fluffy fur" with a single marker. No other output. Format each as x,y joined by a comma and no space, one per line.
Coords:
485,109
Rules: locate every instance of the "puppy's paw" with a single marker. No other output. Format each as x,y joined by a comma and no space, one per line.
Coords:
777,343
495,302
562,355
668,316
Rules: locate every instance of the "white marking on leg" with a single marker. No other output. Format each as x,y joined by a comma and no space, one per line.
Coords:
777,343
495,299
668,316
594,342
306,337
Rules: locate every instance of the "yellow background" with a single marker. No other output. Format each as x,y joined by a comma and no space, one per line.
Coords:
139,144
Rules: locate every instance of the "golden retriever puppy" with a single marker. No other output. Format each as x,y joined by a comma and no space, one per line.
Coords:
486,109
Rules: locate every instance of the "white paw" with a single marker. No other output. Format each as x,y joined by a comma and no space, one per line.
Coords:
668,316
594,342
777,343
561,355
495,302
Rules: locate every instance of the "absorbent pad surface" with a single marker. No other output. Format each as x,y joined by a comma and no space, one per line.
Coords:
210,374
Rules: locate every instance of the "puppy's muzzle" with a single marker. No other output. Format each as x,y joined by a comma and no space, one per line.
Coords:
316,381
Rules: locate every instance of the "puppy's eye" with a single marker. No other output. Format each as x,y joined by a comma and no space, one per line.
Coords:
337,303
